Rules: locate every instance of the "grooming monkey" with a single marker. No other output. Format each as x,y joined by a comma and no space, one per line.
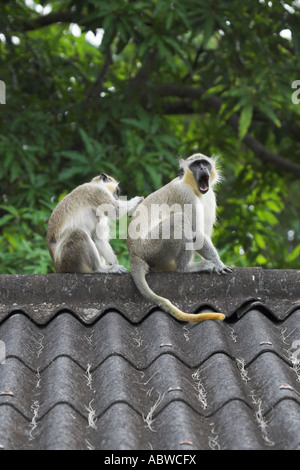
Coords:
78,231
186,204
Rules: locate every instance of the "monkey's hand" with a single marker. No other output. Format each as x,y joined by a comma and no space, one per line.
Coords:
133,203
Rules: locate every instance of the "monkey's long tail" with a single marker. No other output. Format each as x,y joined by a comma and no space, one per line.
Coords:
139,269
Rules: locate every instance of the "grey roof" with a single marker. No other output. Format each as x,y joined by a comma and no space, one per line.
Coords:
89,364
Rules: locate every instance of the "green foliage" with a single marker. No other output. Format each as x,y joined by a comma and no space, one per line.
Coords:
168,79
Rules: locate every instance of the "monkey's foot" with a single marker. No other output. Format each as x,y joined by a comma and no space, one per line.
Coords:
222,269
113,269
117,269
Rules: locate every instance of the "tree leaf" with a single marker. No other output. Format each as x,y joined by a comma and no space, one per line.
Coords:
270,113
245,120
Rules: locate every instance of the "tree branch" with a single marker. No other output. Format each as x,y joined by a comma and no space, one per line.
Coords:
51,18
185,105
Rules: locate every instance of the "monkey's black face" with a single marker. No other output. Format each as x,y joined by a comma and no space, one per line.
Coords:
201,170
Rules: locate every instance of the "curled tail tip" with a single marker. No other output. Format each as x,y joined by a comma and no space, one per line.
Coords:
220,317
209,316
199,317
191,317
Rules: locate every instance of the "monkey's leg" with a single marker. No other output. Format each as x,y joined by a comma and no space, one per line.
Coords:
201,266
186,264
79,254
185,255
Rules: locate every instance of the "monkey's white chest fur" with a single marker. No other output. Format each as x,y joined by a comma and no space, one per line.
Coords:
204,207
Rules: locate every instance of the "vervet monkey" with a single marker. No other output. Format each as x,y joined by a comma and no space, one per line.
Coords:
185,211
78,231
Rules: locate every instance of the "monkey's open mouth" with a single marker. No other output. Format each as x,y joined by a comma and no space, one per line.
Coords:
203,185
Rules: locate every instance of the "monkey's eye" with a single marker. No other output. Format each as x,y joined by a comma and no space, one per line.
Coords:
207,164
203,163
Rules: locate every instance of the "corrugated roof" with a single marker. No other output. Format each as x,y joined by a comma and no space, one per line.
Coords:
89,364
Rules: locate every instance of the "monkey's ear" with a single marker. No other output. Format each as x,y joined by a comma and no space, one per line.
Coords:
103,177
116,193
181,172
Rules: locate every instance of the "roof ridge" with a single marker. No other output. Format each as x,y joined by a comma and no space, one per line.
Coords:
42,295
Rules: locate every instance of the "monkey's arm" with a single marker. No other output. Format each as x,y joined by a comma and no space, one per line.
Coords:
105,250
131,205
117,208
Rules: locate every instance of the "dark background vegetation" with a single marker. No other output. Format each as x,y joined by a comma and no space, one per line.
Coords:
168,79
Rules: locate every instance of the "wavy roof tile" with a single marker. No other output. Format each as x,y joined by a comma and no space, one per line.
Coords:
89,364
